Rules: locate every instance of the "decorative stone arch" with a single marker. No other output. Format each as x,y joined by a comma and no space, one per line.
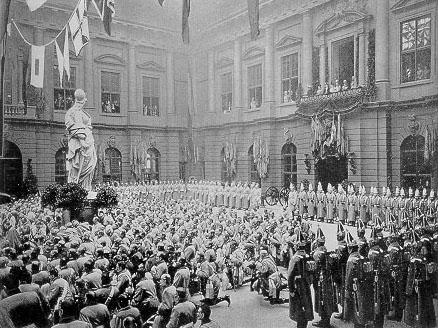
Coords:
341,20
252,52
110,60
151,66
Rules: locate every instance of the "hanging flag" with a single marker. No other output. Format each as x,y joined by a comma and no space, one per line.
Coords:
78,24
185,21
66,55
60,58
106,10
37,66
161,2
253,14
35,4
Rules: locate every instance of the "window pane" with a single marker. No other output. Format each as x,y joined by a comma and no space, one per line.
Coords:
408,67
408,35
423,32
423,64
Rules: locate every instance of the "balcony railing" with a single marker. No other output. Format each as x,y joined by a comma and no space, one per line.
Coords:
335,101
19,111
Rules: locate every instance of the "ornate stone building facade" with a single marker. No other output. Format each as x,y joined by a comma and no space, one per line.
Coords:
231,108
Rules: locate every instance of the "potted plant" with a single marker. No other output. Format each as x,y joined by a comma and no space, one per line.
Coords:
71,197
106,197
48,197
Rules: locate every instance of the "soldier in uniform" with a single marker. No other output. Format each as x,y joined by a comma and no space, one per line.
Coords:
352,206
299,279
330,204
325,303
419,310
364,204
380,279
397,277
358,299
361,239
292,198
302,201
340,257
341,204
321,203
375,202
430,207
389,207
311,200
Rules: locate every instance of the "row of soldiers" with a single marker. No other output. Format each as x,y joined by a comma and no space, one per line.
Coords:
348,206
238,195
392,276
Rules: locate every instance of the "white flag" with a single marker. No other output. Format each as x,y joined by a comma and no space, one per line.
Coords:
79,27
60,58
37,66
35,4
66,55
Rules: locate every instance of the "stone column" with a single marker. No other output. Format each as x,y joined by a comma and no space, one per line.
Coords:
362,60
211,95
170,84
322,60
132,80
306,73
237,78
269,65
382,49
88,75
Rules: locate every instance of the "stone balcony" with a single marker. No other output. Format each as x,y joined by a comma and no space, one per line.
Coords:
19,111
342,101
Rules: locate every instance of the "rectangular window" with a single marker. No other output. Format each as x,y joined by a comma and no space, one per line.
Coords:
342,64
255,86
289,77
151,96
64,95
416,47
227,92
110,83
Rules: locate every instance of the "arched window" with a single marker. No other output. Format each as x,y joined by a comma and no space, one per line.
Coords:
152,165
415,172
60,169
113,165
253,174
289,164
11,169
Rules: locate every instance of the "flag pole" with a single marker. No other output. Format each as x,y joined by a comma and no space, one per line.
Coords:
4,17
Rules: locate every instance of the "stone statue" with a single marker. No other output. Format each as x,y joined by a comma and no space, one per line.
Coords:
81,156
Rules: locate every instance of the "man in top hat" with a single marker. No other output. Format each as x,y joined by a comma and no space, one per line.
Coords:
299,275
321,202
330,204
358,299
322,282
352,206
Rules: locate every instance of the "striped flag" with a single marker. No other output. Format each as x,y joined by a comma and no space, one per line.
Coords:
185,21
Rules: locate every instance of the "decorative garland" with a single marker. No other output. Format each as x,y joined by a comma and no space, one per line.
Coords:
371,83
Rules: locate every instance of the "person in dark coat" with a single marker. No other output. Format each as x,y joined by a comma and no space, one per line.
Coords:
358,306
68,313
299,279
325,303
24,309
95,313
184,313
340,257
419,310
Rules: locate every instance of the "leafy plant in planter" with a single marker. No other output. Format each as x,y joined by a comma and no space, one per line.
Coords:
106,197
71,196
49,196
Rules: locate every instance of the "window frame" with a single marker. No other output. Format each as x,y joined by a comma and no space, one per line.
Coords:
109,174
63,88
254,86
415,18
111,92
283,80
418,151
226,93
253,175
150,112
292,175
152,154
61,173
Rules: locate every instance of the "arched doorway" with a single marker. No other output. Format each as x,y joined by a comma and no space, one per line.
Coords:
331,170
11,168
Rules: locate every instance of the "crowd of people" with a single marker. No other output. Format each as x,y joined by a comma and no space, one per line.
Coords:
168,252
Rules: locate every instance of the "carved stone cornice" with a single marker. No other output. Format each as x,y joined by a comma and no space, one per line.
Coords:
341,20
288,41
110,60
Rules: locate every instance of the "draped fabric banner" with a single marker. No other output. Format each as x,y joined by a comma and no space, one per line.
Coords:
37,66
185,21
253,15
35,4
